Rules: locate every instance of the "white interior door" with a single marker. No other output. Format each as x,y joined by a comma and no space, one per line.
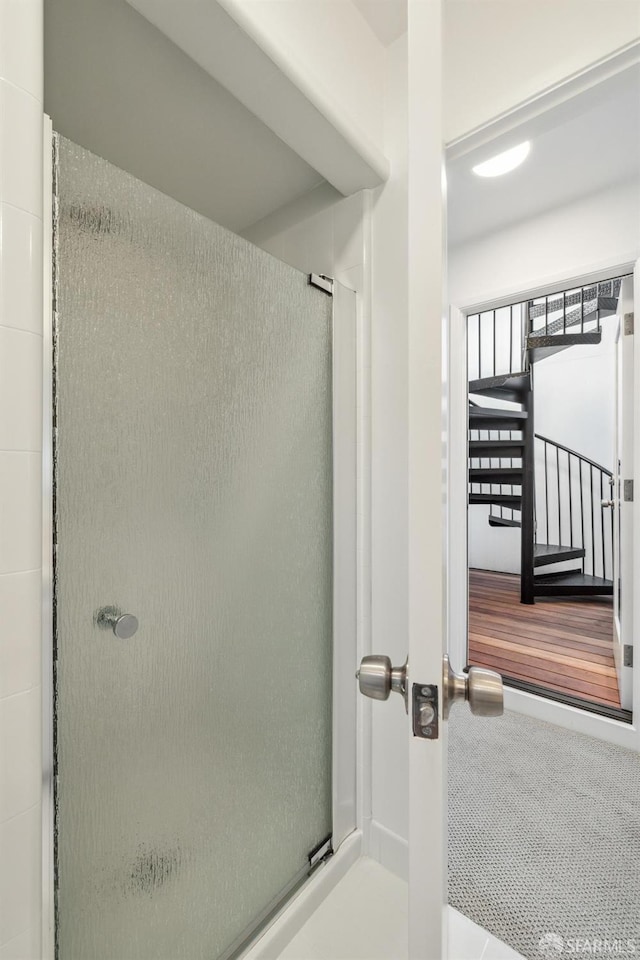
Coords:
426,686
424,484
621,504
427,757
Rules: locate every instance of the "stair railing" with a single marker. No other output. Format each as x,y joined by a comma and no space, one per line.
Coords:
495,341
570,490
497,338
497,345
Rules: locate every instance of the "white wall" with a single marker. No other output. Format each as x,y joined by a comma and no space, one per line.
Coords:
566,242
575,397
20,473
502,52
321,232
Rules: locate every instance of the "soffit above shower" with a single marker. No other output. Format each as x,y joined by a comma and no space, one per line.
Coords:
312,71
117,86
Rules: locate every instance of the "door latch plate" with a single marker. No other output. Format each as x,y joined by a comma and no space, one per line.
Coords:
424,711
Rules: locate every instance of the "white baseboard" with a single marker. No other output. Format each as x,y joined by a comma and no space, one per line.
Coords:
389,849
601,728
295,914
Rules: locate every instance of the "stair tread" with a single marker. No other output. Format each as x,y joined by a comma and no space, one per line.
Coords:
495,475
491,417
496,449
499,378
506,499
589,297
540,339
588,313
544,553
503,522
505,385
540,347
571,319
571,582
495,444
497,412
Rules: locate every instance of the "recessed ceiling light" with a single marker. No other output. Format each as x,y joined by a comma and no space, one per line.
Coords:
504,162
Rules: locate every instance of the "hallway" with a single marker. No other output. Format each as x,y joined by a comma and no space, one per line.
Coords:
544,837
564,645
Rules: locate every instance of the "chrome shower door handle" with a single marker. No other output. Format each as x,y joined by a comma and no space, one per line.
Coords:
124,625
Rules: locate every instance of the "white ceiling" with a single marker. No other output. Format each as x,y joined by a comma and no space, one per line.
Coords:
116,86
387,18
581,147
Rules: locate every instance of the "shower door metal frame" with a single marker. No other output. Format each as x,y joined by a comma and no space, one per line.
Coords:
48,821
345,759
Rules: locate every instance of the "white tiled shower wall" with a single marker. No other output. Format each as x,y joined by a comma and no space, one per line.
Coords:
21,116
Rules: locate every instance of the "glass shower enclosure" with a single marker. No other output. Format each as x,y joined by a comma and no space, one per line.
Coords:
193,574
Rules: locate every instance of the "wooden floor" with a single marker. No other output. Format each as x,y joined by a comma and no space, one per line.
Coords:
563,644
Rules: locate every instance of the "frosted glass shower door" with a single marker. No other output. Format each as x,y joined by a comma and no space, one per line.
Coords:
194,492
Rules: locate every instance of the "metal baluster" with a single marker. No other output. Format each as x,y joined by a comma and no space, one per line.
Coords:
559,512
593,523
564,311
612,512
581,309
479,346
582,544
546,490
570,501
494,343
602,521
511,339
546,316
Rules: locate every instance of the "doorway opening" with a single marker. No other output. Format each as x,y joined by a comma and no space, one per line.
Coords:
547,394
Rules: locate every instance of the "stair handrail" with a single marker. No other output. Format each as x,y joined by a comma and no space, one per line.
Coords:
593,498
575,453
585,494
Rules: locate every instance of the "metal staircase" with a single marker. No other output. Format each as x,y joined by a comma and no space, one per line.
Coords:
552,493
